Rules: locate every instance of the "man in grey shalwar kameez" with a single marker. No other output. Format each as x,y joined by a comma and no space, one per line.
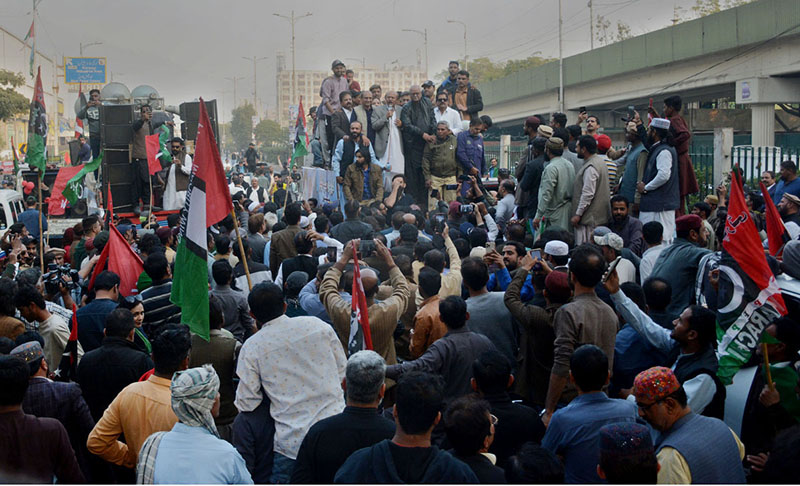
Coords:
555,191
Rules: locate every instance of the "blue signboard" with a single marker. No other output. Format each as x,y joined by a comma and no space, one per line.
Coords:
90,70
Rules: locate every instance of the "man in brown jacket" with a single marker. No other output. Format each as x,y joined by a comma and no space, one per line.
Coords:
282,246
354,187
428,326
383,316
591,195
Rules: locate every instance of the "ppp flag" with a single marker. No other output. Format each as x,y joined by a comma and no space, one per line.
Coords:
360,336
37,128
754,299
68,367
777,236
74,187
122,260
57,202
208,201
300,145
156,146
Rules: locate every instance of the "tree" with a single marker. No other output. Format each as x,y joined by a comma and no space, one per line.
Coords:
483,69
269,133
605,34
242,125
11,102
703,8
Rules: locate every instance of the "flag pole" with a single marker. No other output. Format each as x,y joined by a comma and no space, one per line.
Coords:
241,248
41,208
767,371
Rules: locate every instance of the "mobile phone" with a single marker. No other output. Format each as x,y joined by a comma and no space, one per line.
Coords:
439,222
466,208
582,109
366,248
451,187
536,254
611,268
490,246
630,112
435,193
332,254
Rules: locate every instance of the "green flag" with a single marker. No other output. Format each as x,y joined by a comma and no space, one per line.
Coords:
164,145
74,187
37,129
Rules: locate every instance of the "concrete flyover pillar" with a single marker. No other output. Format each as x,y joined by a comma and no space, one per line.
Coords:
763,124
505,152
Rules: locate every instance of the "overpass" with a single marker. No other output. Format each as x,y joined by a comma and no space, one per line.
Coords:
702,59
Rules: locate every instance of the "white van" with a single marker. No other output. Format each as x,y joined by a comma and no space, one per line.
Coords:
10,207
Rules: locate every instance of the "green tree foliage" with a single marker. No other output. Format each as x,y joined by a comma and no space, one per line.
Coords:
269,133
11,102
605,34
703,8
242,126
483,69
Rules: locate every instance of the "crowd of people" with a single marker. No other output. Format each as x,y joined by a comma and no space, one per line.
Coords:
561,328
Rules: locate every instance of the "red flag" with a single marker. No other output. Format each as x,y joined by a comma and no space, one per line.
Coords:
122,260
777,236
207,167
57,202
360,335
153,149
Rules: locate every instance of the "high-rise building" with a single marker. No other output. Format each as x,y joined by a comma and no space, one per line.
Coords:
308,84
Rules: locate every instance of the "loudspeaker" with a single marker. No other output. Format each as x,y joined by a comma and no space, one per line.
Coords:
116,114
116,129
119,172
74,148
190,114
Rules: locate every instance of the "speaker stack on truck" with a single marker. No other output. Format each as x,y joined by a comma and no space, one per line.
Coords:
190,114
116,137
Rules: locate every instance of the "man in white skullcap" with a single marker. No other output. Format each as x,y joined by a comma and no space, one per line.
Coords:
192,451
660,185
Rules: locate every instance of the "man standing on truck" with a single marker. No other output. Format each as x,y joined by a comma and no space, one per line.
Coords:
141,129
30,218
91,111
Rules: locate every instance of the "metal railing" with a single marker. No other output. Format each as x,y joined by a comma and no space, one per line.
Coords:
755,160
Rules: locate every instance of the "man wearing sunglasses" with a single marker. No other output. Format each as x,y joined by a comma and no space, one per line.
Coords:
444,112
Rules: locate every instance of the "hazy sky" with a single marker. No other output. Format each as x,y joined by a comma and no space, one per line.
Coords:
186,48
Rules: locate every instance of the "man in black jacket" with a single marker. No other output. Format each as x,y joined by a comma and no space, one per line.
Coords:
516,423
251,156
466,98
470,428
117,363
330,442
419,123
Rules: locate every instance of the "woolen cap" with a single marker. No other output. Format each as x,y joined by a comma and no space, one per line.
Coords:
545,131
336,62
625,440
792,198
688,222
603,142
557,285
555,143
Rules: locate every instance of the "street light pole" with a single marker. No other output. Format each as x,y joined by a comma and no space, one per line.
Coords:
292,19
560,63
424,34
90,44
235,79
465,41
255,89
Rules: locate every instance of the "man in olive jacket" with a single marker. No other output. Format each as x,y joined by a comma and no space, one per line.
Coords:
439,166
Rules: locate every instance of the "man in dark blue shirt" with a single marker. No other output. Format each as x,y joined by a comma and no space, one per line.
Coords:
788,182
573,432
92,316
30,218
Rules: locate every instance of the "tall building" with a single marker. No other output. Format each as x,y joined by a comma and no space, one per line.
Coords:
308,84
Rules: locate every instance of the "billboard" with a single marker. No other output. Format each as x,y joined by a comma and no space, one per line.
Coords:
91,70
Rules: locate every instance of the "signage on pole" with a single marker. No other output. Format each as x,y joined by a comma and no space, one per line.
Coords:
86,70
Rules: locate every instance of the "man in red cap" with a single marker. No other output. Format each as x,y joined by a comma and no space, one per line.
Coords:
603,147
691,448
678,263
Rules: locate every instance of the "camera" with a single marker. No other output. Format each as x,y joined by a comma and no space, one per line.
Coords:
463,178
466,208
53,279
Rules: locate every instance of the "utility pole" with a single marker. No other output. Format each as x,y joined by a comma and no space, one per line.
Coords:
424,34
235,79
255,89
561,62
90,44
465,40
591,25
292,19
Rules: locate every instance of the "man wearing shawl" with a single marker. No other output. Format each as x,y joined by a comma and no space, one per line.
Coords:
192,451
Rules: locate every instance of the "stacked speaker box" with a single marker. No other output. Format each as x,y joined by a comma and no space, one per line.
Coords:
116,137
190,114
